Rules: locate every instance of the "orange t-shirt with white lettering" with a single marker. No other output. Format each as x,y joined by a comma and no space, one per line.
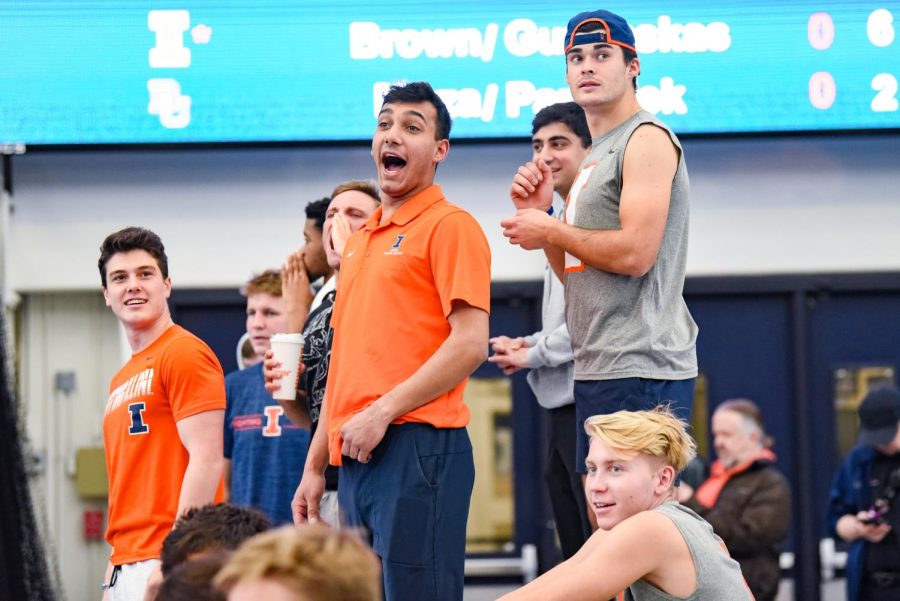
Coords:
177,376
398,283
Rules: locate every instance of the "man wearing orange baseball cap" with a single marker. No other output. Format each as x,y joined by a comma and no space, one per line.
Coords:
622,246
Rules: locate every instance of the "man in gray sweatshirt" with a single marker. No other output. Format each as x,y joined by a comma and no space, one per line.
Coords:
561,138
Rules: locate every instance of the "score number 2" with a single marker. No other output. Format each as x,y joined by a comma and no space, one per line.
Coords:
885,100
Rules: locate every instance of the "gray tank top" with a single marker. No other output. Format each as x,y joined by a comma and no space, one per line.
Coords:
623,326
719,576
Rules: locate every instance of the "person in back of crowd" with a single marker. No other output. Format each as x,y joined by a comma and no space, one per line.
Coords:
863,509
307,563
264,448
647,542
246,356
559,136
193,580
306,268
202,530
695,474
746,499
352,203
301,269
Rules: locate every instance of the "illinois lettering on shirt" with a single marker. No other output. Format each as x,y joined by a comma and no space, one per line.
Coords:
268,422
137,385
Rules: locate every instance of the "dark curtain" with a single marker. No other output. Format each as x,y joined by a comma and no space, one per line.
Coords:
23,568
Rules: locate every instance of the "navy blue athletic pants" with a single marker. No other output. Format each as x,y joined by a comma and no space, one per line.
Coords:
412,498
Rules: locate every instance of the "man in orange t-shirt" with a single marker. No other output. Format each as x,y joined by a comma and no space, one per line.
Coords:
163,423
410,325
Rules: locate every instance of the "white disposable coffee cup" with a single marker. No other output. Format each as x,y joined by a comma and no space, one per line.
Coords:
287,349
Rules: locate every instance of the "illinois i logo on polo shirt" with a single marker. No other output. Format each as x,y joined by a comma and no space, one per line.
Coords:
395,247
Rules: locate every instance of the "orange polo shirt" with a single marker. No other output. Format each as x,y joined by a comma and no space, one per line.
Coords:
398,282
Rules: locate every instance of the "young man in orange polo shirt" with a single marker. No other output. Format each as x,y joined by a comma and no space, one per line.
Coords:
410,325
162,427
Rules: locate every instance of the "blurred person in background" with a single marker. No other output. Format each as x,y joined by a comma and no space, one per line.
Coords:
306,563
863,509
560,137
264,448
352,203
193,580
202,530
746,499
246,356
306,272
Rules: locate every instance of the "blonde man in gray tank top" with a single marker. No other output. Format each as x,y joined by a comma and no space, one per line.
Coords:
648,547
622,246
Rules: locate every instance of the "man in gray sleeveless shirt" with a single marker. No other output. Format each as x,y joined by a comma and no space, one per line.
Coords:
560,137
622,247
648,545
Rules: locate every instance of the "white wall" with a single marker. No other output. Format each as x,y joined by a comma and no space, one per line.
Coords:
61,333
758,206
795,205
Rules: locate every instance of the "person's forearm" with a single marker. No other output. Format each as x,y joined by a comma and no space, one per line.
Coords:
295,412
201,481
317,455
460,354
296,316
572,580
614,251
538,589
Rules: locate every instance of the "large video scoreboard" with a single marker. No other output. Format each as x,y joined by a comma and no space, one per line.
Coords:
102,72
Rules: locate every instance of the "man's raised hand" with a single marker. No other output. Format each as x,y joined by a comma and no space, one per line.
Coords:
532,186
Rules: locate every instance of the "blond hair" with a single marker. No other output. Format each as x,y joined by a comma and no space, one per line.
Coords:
657,432
314,561
366,186
267,282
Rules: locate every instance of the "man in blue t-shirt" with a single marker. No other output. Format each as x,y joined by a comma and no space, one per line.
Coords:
264,450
